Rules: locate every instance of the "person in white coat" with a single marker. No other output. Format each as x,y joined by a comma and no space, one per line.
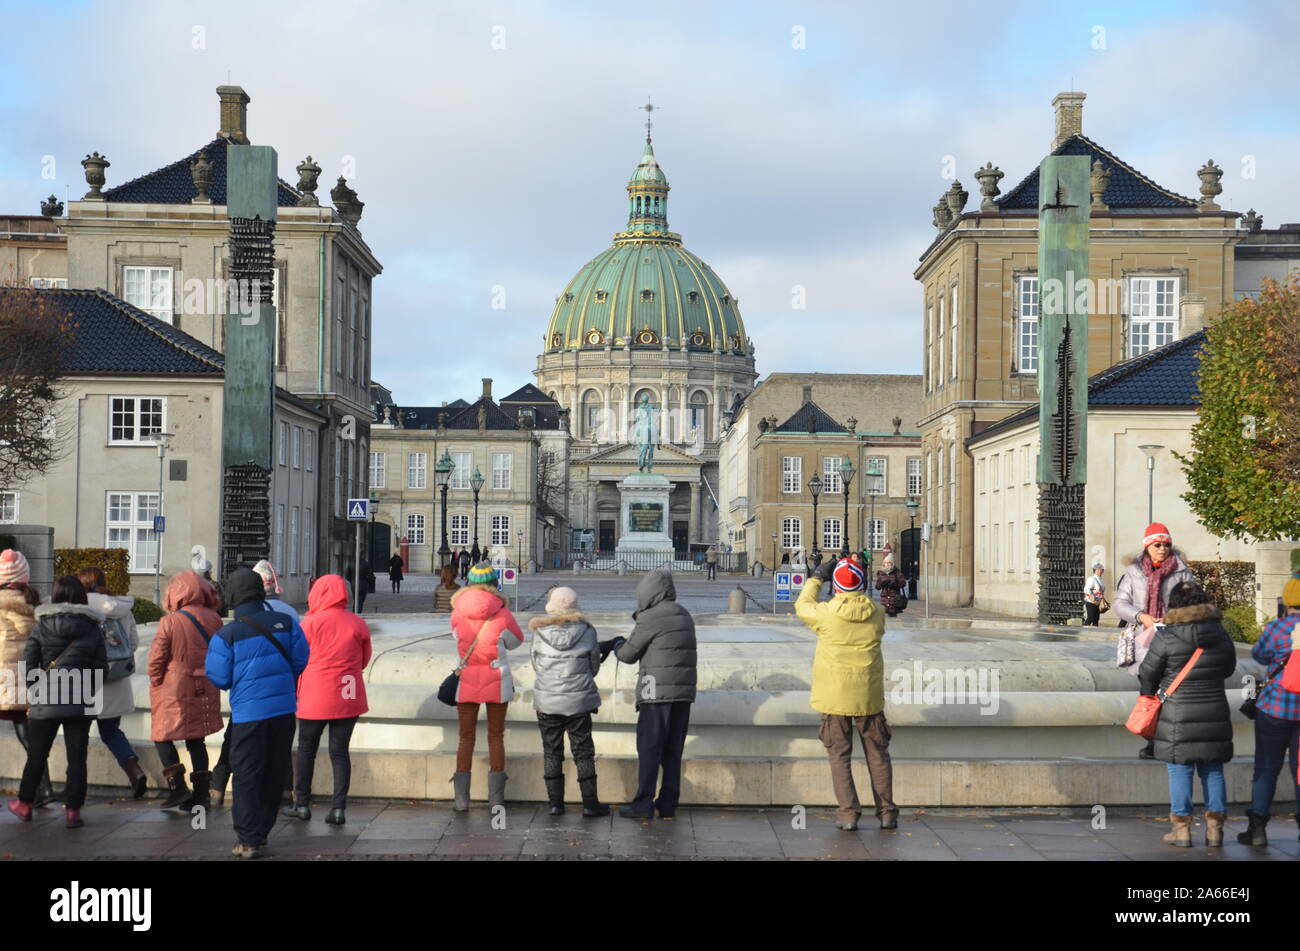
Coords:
118,697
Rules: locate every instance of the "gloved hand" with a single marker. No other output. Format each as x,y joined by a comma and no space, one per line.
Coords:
611,645
824,571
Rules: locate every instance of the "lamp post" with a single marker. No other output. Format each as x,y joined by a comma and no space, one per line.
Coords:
1151,450
476,483
912,506
442,472
847,472
815,487
873,471
161,440
774,551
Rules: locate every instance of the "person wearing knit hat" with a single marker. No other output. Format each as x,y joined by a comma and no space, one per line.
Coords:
1277,712
484,575
1143,591
848,685
566,656
18,603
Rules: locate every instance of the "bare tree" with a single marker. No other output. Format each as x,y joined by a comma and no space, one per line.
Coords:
35,338
550,486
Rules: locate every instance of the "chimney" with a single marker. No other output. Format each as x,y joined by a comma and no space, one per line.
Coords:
487,387
1069,116
807,393
234,114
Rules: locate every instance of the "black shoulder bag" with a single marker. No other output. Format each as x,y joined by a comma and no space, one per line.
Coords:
1248,709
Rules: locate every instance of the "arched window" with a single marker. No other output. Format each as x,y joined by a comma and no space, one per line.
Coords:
592,414
698,414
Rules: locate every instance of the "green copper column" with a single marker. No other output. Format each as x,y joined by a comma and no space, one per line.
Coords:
248,395
1063,214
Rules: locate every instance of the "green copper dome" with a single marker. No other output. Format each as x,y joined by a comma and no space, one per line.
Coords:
646,291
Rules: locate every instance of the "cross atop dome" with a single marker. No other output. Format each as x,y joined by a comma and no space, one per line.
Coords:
649,108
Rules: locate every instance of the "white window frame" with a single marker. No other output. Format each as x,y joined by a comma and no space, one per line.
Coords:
136,412
311,450
154,295
929,348
915,478
415,528
140,530
832,481
791,475
308,553
458,530
283,443
296,455
1153,312
293,539
501,471
48,282
952,482
378,469
499,530
877,533
883,465
791,534
464,468
1027,315
417,470
832,534
938,481
952,369
941,377
277,542
9,508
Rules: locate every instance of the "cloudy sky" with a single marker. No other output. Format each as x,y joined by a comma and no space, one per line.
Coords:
805,142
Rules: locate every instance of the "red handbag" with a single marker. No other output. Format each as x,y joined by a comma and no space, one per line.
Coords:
1146,712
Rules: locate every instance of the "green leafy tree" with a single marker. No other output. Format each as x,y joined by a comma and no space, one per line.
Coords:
1243,472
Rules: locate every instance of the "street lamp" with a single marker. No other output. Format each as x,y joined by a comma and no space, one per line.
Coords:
815,487
1151,450
442,472
847,472
912,506
476,483
161,440
873,470
774,551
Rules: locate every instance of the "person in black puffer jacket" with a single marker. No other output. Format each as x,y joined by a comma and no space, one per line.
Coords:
663,640
1194,732
67,647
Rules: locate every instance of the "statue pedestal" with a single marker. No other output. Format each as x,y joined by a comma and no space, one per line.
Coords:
643,515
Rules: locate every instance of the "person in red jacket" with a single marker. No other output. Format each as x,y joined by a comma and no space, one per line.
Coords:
331,691
484,629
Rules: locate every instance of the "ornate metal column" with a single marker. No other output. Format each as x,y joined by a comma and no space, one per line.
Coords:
1064,202
248,392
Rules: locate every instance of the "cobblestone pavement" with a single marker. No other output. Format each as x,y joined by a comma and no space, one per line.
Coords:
128,829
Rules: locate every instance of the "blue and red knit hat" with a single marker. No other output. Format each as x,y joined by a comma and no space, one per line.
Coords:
848,576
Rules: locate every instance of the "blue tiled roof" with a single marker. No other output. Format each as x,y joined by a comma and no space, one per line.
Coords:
173,185
1128,187
111,336
810,418
1165,376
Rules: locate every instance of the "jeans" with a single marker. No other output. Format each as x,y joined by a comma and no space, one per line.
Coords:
660,738
309,734
40,738
110,731
1180,787
1273,738
169,757
259,760
467,715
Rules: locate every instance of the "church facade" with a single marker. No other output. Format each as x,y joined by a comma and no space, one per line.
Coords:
645,318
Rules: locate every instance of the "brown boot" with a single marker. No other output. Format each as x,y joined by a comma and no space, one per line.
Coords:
135,777
1181,833
178,794
1214,828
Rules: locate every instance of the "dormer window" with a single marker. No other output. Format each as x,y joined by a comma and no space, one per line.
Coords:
647,336
647,295
699,339
693,296
568,298
595,338
556,340
726,298
601,296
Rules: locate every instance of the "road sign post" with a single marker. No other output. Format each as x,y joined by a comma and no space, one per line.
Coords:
786,586
358,512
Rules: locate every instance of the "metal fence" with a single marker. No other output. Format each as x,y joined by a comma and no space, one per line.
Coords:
695,561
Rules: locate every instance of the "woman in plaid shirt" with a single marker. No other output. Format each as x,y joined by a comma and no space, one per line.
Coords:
1277,721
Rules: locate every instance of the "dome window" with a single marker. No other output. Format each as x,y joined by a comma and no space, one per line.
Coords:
693,296
601,296
556,341
726,298
568,298
736,342
595,338
647,336
647,295
699,339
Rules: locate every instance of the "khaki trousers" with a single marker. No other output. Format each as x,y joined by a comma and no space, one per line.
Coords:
873,732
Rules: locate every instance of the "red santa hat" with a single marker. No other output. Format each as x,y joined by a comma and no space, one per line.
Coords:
1156,532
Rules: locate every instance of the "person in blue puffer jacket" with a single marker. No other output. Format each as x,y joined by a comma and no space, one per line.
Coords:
257,657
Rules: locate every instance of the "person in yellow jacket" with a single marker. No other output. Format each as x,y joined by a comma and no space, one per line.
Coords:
848,685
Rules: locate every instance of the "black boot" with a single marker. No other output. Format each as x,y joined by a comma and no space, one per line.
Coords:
178,794
1148,751
45,788
1256,833
555,793
592,807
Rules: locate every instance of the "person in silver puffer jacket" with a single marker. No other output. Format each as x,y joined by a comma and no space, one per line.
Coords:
566,656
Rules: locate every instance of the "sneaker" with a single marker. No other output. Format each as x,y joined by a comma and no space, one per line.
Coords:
242,851
23,810
847,826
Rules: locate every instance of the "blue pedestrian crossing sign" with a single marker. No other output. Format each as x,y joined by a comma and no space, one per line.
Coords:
358,510
160,523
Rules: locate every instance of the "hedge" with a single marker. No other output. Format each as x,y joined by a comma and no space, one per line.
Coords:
68,561
1239,621
7,542
145,611
1228,583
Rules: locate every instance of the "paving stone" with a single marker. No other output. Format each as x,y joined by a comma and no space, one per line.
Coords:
494,845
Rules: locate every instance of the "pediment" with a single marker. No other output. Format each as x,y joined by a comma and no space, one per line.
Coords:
666,457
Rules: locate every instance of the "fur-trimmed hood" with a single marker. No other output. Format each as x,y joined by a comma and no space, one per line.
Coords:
555,620
479,601
1193,613
66,607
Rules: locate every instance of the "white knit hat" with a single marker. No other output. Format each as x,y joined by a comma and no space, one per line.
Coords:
562,601
270,580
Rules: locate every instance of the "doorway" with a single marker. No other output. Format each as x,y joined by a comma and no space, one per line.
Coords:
680,533
606,534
